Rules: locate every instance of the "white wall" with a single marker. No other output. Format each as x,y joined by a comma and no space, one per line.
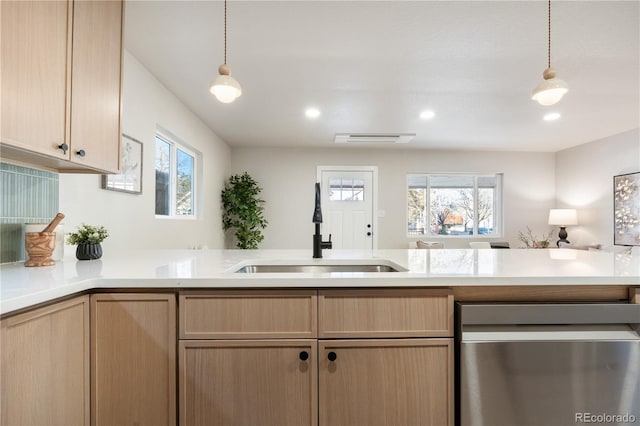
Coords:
287,177
131,218
584,181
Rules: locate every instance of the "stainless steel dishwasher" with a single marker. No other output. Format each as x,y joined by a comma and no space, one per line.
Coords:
548,364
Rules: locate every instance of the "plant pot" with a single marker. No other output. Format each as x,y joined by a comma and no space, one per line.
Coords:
89,251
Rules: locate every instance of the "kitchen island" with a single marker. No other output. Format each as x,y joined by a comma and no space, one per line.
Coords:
180,269
181,337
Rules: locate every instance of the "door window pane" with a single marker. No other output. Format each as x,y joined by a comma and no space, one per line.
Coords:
346,189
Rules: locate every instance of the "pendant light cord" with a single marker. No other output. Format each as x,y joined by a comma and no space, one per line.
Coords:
225,31
548,36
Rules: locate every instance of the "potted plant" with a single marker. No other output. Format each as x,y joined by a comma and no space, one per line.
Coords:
243,210
88,239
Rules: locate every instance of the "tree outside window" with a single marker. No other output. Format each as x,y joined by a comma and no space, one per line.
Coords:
175,178
453,205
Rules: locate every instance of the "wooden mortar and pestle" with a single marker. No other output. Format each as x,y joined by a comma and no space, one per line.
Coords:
40,245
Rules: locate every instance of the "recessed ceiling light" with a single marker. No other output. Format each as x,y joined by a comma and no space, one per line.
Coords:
312,113
427,115
552,116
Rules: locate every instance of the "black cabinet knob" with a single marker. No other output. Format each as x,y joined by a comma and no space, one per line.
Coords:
81,153
332,356
64,147
304,355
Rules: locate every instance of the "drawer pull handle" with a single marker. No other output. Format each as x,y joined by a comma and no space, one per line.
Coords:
304,355
81,153
64,147
332,356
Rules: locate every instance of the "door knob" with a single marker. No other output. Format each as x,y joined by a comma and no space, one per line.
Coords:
81,153
368,225
64,147
368,234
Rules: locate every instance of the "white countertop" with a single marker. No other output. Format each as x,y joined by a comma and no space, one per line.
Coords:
21,287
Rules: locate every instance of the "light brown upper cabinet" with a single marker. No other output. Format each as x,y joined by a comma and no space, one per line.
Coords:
61,83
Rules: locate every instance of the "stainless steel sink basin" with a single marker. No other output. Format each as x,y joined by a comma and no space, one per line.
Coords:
256,269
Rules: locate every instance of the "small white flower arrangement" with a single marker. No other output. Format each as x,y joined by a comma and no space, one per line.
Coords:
87,234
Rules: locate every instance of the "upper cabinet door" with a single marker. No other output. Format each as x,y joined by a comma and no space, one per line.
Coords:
96,84
35,54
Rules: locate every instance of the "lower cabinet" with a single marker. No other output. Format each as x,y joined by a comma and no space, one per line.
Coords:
386,382
133,359
248,382
253,358
44,377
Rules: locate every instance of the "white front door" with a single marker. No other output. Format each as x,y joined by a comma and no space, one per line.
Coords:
347,207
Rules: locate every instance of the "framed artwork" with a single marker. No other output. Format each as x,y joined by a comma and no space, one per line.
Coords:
626,209
130,178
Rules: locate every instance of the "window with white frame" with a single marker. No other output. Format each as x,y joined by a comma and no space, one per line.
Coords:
461,205
175,178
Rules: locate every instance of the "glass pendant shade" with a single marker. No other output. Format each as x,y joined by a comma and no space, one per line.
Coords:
551,90
224,87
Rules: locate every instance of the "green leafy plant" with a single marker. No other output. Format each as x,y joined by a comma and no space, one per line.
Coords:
87,234
243,210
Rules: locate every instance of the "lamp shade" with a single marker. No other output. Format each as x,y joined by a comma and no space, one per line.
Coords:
551,90
563,217
225,88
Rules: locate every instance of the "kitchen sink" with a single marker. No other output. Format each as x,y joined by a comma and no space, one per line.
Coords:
316,268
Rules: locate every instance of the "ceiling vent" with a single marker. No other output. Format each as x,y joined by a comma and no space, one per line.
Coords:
374,137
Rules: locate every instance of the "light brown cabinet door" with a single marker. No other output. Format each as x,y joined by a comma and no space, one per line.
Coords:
95,84
133,353
35,56
45,365
248,382
406,382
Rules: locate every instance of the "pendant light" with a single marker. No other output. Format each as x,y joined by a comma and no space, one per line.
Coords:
552,89
224,87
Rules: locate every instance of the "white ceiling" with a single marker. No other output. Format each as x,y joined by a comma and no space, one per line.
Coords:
374,66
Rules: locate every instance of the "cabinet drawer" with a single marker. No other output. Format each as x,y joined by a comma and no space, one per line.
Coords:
385,313
248,314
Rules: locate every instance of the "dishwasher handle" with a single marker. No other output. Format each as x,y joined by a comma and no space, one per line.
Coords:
556,313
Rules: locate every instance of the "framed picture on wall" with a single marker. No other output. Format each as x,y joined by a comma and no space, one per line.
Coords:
130,178
626,209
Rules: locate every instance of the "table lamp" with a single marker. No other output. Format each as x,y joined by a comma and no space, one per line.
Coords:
563,218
